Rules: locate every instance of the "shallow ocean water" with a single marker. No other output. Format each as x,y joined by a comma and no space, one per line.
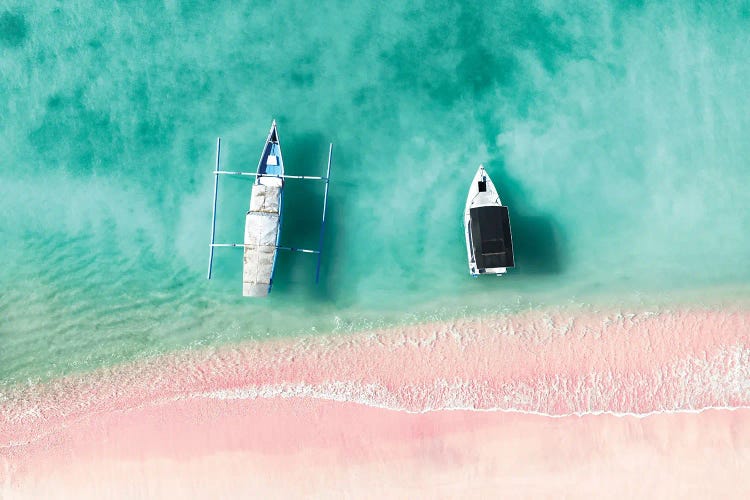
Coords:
616,135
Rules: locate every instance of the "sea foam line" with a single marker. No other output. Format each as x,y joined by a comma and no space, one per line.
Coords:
455,395
332,392
326,393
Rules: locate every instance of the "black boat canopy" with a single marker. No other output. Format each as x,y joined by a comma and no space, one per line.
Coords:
490,236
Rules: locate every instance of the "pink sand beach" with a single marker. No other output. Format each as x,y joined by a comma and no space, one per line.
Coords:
534,405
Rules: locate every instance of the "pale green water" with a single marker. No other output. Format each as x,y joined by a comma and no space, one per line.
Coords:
618,136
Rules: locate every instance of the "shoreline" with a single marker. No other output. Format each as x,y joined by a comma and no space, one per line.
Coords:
447,407
531,362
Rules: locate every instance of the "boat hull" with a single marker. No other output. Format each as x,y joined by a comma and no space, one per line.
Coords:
263,221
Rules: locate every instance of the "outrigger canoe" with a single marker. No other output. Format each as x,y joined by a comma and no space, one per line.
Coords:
263,220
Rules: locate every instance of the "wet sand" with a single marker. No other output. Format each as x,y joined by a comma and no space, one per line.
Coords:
298,446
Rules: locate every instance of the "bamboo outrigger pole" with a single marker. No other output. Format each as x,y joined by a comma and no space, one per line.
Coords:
213,212
325,206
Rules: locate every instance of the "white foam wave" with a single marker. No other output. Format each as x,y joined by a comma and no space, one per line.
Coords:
378,396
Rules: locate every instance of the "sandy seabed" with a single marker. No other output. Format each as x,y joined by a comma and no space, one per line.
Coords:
539,404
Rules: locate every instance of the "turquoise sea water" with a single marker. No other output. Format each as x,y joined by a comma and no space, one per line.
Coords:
617,134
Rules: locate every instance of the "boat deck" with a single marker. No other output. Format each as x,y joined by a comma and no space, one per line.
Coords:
261,234
490,234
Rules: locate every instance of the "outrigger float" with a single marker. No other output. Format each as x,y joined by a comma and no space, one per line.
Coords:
489,243
263,220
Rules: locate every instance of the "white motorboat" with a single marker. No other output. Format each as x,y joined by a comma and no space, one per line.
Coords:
489,243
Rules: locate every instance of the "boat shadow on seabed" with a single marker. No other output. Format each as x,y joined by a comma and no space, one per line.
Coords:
301,219
538,240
